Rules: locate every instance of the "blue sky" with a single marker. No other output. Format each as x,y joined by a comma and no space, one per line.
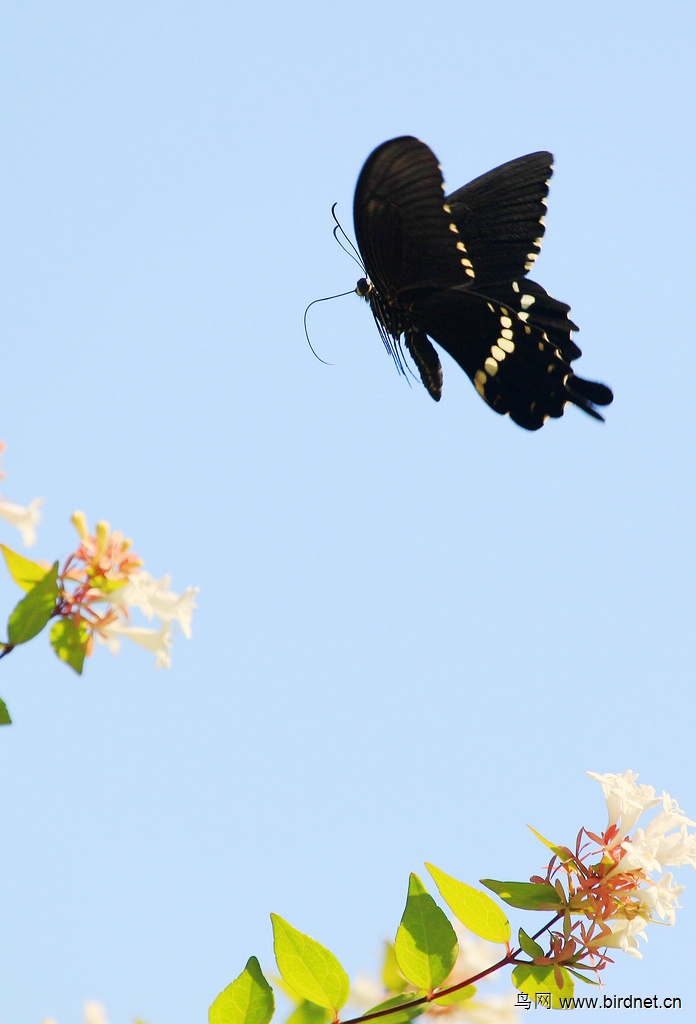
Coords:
418,624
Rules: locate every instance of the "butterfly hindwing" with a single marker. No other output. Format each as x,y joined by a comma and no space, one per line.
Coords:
534,305
512,364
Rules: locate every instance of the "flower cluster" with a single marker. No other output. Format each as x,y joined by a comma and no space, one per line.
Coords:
608,880
103,579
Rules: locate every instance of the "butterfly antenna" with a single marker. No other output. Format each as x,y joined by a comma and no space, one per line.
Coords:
352,251
313,303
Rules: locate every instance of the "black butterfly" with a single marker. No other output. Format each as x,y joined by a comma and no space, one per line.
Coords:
453,269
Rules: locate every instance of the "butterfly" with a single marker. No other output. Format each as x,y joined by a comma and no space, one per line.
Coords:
453,269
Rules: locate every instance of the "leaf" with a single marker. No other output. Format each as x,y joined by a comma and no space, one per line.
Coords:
4,714
69,641
33,612
310,969
562,852
532,979
105,585
475,909
526,895
392,978
583,977
400,1017
309,1013
22,570
529,946
425,946
454,998
247,1000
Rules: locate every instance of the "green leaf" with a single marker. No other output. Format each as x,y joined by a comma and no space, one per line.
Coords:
562,852
23,571
70,642
392,978
308,967
33,612
309,1013
532,979
454,998
248,1000
108,586
583,977
425,946
526,895
4,714
400,1016
529,946
473,908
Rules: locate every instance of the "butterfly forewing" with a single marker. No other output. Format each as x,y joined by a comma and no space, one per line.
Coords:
406,238
500,216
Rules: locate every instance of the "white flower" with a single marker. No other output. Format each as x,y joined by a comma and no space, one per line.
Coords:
640,853
95,1014
153,598
677,849
661,898
24,517
625,800
624,935
159,641
671,816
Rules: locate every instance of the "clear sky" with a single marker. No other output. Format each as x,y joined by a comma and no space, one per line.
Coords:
418,624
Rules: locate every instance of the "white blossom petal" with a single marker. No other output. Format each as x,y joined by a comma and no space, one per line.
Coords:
158,641
671,816
661,898
625,800
625,935
677,849
640,853
25,518
154,599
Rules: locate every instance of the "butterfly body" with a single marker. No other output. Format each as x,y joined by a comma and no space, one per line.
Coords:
453,269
